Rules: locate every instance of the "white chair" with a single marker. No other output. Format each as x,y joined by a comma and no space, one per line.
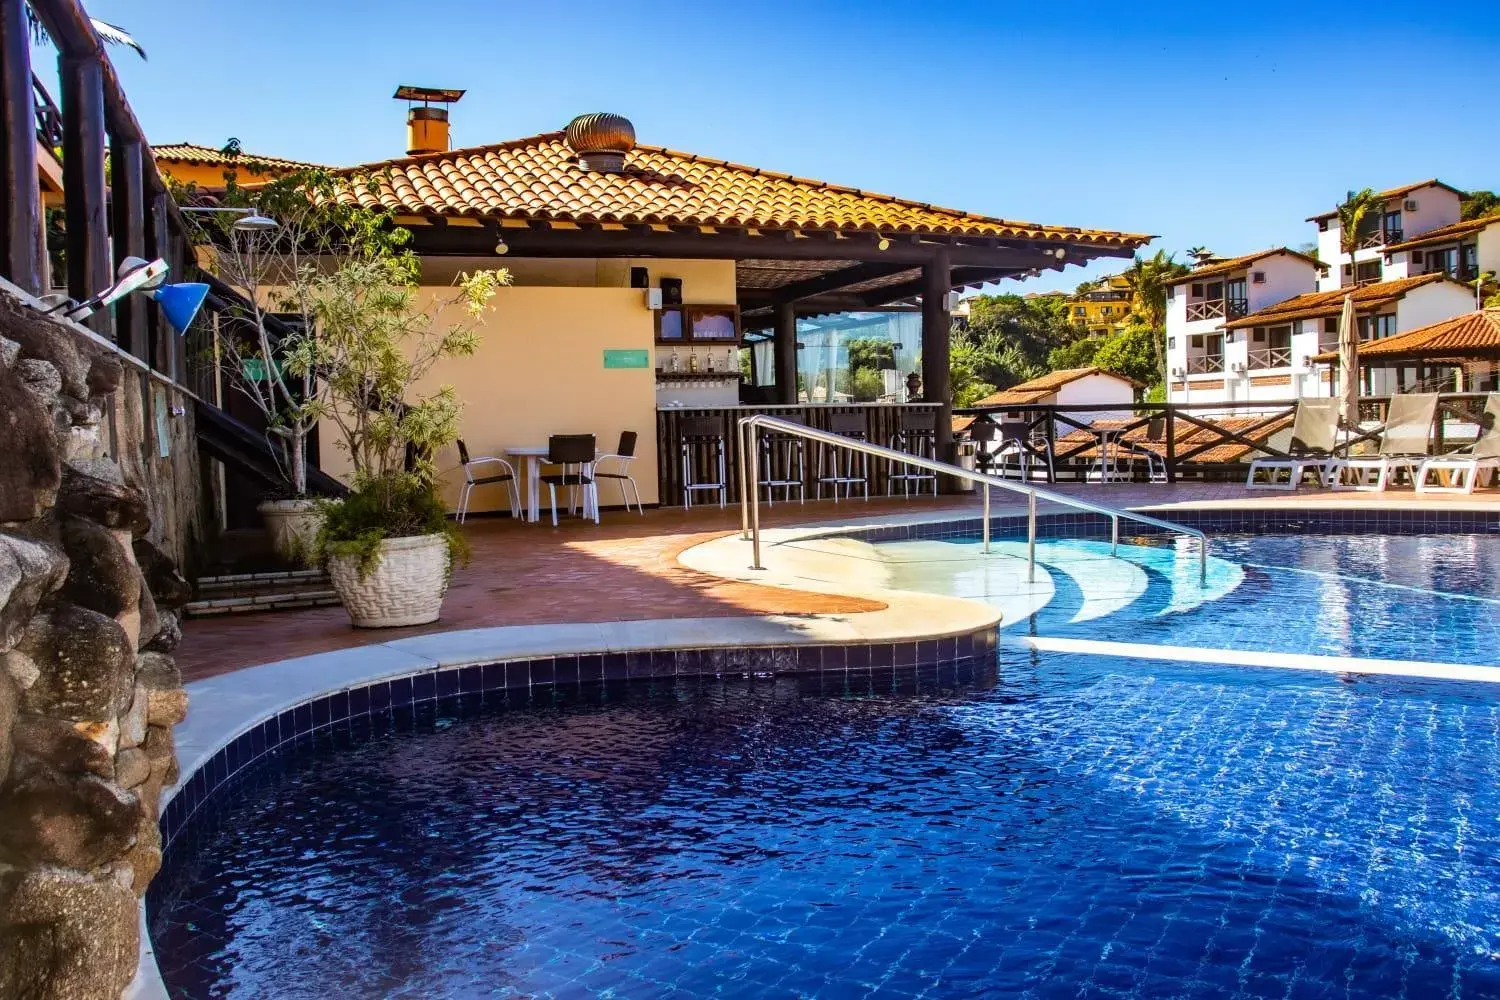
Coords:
624,455
470,481
574,453
1403,445
1315,431
1458,472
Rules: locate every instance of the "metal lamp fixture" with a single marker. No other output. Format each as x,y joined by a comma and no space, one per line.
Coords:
251,220
179,302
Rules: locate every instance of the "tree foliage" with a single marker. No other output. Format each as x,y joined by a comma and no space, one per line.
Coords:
1357,208
1480,204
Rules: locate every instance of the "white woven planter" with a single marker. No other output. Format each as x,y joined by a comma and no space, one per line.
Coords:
406,587
293,527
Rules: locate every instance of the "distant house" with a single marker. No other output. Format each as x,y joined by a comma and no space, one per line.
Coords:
1104,309
1091,386
210,169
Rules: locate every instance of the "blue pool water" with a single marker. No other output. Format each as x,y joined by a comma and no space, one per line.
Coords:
1084,826
1430,598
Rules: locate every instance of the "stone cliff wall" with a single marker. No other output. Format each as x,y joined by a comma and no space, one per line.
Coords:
88,692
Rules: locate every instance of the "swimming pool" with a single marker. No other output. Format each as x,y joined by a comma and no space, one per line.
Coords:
1395,597
1091,826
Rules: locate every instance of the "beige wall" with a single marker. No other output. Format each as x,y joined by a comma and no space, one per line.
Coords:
539,371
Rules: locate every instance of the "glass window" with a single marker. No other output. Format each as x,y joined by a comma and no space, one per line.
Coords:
857,356
671,326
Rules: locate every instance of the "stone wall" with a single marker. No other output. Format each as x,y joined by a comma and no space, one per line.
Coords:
88,692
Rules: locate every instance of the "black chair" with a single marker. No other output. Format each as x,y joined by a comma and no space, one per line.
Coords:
703,454
917,436
471,481
836,466
624,455
574,453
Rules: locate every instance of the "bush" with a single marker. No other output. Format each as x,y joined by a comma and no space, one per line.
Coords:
395,505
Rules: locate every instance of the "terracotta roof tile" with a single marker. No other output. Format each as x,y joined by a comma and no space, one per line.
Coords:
1445,233
1470,336
1312,305
539,178
1218,267
187,152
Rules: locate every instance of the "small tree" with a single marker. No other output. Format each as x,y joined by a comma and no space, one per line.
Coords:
268,349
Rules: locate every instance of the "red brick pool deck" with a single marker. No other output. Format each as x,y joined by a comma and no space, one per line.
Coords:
626,569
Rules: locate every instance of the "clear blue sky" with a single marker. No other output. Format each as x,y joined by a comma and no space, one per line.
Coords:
1216,124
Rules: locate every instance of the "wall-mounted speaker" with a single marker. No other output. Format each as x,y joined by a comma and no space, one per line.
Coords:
671,291
640,277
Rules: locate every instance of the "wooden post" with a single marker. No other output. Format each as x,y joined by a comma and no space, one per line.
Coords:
20,208
1171,432
128,218
786,352
83,183
157,242
937,324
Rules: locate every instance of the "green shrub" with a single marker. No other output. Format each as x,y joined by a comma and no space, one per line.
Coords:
394,505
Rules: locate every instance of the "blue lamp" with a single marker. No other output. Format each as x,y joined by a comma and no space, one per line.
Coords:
180,303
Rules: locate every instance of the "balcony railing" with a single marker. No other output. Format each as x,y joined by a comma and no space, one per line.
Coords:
1205,364
1378,238
1269,357
1217,309
49,119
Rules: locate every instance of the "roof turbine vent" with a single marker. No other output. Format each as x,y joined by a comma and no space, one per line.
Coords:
601,141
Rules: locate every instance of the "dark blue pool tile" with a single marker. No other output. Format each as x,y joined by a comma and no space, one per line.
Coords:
882,654
471,680
904,654
321,712
565,670
590,668
688,662
543,672
401,692
381,696
835,658
857,656
638,664
445,683
359,702
492,677
302,719
616,667
809,658
927,651
424,686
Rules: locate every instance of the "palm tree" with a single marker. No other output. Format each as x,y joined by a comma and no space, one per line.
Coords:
108,33
1357,207
1201,255
1148,278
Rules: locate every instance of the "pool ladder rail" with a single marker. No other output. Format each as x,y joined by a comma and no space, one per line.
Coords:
750,482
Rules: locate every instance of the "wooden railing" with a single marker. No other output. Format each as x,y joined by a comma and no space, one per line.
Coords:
49,120
1269,357
882,422
1205,364
1194,441
1217,309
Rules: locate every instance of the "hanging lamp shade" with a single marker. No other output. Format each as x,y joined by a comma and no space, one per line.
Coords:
180,303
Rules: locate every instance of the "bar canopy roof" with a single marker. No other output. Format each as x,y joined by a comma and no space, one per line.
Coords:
823,246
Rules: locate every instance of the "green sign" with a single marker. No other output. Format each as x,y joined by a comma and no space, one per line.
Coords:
627,359
255,369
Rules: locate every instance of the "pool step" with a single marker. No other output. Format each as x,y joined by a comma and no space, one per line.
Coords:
256,592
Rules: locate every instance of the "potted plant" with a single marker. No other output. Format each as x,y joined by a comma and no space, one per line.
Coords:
389,546
266,243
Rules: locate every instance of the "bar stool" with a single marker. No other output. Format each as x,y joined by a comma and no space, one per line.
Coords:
781,464
840,471
917,436
624,455
702,452
1018,441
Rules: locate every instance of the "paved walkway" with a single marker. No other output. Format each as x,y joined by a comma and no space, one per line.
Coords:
626,569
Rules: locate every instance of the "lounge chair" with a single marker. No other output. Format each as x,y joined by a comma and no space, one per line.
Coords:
1466,464
1403,445
1314,437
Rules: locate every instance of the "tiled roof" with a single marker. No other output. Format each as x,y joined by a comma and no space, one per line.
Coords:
1311,305
1218,267
1445,233
1397,192
1045,385
538,178
1472,335
187,152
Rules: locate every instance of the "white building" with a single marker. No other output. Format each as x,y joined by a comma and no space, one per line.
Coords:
1082,387
1463,251
1202,302
1410,211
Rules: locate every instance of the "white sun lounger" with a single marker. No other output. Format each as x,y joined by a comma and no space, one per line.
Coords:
1314,435
1403,445
1464,466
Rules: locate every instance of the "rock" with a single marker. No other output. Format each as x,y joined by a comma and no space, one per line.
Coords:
51,342
66,936
32,470
62,745
97,466
168,634
21,668
9,707
29,571
102,575
159,676
168,586
133,721
9,352
105,375
44,381
144,856
147,618
58,819
96,499
162,750
132,768
86,664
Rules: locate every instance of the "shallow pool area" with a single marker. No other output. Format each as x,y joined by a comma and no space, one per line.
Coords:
1076,826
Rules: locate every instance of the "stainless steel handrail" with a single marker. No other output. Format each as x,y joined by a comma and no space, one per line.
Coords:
749,469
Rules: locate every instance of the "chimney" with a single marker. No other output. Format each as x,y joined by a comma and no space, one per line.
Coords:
427,126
